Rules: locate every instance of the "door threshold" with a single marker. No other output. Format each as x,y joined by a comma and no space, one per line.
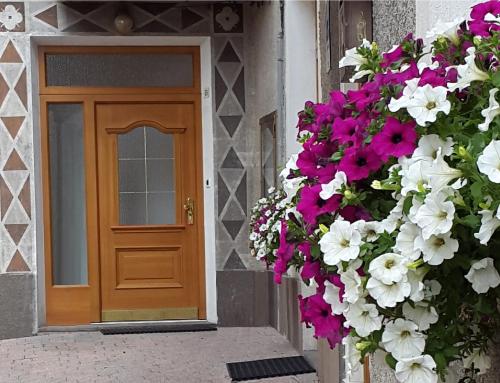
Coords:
97,326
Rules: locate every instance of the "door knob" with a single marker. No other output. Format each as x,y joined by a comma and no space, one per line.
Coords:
189,208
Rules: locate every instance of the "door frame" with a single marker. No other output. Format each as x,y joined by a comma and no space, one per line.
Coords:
206,157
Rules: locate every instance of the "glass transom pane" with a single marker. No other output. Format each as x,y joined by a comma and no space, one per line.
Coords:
146,177
119,69
67,194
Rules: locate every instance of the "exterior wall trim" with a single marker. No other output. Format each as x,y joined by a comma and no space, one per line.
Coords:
208,151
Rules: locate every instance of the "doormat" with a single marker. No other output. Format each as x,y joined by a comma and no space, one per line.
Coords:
148,329
269,368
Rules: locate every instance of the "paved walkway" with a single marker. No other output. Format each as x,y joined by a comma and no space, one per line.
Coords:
153,358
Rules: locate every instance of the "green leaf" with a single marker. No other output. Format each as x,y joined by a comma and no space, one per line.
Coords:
315,251
407,204
496,79
391,361
440,360
475,191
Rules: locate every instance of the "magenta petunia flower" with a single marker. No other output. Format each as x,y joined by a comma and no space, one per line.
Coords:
326,325
478,25
311,268
336,103
395,139
362,98
358,163
311,205
283,255
392,56
344,130
314,161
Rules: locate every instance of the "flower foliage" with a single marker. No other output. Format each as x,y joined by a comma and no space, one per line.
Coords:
394,203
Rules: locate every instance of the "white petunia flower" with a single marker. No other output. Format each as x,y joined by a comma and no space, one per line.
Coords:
415,279
406,97
490,112
419,369
480,360
468,72
402,339
435,216
353,58
360,75
415,207
292,186
422,315
448,30
352,282
388,295
483,275
334,186
341,243
437,248
440,173
332,297
363,317
370,231
432,288
290,165
429,145
488,162
389,268
416,177
393,220
489,224
427,102
405,241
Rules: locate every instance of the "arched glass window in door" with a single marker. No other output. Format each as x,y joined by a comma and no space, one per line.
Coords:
146,177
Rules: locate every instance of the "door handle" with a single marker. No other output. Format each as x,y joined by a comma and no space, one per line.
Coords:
189,208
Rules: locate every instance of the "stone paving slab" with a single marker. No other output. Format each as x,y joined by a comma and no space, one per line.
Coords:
89,357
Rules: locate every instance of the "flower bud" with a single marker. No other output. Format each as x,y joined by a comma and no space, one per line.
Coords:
463,153
477,40
416,264
323,229
377,185
349,194
360,346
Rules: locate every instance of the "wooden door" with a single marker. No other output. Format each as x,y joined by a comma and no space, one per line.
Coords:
150,213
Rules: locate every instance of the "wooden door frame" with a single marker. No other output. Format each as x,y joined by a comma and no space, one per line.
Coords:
71,294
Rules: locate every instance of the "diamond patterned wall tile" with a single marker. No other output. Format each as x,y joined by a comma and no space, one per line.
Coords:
10,54
233,227
234,262
228,18
231,123
241,193
229,54
189,18
6,198
83,7
222,194
17,264
84,26
239,88
229,71
155,8
21,89
4,89
232,161
173,18
25,197
48,16
220,88
14,162
16,231
155,27
13,124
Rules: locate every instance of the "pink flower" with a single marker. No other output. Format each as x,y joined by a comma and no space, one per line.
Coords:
358,163
311,205
337,103
478,25
395,139
368,94
345,130
283,255
311,268
392,56
355,213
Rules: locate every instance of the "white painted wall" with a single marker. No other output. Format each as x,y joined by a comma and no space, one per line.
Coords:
300,65
430,12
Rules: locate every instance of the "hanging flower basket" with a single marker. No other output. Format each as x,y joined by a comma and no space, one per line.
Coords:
394,204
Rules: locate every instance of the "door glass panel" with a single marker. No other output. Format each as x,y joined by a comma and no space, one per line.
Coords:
119,70
146,177
67,194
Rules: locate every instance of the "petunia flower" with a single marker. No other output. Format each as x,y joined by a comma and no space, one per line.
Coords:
388,295
436,215
419,369
446,29
352,355
341,243
352,285
489,224
363,317
389,268
421,313
311,205
345,130
429,145
437,248
353,58
489,161
334,186
405,241
395,139
427,102
402,339
283,256
332,296
490,112
357,164
468,72
483,275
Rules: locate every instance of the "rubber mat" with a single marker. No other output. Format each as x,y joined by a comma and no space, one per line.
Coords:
269,368
148,329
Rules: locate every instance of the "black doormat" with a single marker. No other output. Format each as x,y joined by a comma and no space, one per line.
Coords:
269,368
159,328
